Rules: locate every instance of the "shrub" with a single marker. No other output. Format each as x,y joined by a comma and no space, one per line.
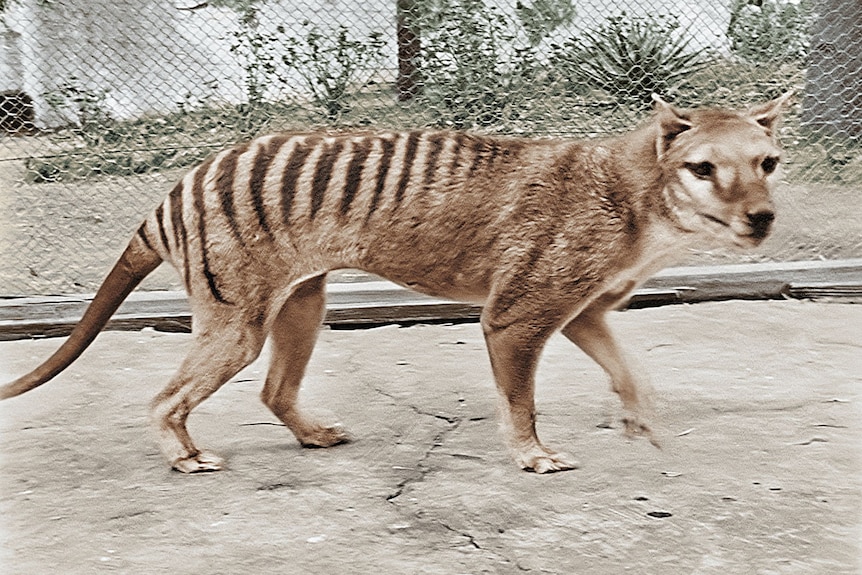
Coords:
734,83
257,54
462,62
332,64
543,17
87,106
770,30
474,73
630,58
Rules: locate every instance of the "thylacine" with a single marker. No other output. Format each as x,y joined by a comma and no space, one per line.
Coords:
548,234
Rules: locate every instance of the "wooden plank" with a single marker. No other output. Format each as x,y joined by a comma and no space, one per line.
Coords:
379,302
822,290
754,281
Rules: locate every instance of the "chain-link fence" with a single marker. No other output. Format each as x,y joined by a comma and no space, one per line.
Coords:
104,103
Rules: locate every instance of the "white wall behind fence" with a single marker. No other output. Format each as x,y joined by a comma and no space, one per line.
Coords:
151,56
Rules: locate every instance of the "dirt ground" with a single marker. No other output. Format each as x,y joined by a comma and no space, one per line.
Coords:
761,471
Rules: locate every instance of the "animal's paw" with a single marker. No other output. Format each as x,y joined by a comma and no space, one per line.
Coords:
543,460
324,436
201,463
638,426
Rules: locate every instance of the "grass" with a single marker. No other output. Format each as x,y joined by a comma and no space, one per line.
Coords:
546,107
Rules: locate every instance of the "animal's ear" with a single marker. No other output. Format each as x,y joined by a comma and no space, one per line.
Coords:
767,114
671,123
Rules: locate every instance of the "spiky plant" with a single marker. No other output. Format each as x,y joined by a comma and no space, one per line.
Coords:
631,57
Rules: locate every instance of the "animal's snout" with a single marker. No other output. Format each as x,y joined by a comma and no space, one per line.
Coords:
760,222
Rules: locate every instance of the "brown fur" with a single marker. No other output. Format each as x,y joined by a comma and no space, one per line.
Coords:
549,234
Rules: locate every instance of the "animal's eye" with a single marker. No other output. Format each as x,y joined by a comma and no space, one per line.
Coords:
769,164
702,170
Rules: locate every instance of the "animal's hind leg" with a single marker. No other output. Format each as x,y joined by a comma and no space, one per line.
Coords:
293,335
217,354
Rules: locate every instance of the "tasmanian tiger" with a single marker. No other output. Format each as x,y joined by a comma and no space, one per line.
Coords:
548,234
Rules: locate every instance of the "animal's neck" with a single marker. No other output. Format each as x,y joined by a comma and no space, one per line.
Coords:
637,180
643,177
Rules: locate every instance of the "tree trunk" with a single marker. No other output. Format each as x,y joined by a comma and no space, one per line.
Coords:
408,50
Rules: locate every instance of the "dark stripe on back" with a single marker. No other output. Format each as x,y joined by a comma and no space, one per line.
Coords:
495,150
354,173
200,210
224,185
479,147
160,215
290,175
142,233
436,142
180,235
382,170
457,152
322,174
409,157
258,174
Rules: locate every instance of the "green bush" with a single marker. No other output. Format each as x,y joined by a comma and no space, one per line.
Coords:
332,65
463,63
150,144
479,67
86,105
630,58
734,83
770,30
257,53
543,17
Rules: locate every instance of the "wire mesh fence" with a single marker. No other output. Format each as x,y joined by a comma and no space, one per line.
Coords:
104,103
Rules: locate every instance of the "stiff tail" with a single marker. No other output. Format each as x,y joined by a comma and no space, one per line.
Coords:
136,263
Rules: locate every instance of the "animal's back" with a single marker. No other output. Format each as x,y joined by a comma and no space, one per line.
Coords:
425,208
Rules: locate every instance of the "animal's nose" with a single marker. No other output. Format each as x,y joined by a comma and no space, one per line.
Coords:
760,222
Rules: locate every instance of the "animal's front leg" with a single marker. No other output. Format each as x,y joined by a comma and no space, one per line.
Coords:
591,333
514,351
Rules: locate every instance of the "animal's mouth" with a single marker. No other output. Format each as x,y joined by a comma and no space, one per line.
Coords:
751,239
711,218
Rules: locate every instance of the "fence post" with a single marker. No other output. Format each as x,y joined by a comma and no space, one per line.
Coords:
833,92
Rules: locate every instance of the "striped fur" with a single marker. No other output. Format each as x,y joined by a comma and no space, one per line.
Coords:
549,234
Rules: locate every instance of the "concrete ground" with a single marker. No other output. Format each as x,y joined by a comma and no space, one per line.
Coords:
761,471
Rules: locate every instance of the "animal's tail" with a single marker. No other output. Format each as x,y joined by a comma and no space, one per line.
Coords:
136,263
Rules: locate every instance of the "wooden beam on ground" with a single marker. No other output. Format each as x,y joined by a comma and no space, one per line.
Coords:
378,302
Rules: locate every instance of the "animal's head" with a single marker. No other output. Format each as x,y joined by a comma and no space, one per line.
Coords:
719,169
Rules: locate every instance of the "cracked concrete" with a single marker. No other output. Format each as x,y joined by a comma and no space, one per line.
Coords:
761,471
422,467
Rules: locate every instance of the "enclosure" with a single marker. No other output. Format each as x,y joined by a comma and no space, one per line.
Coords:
104,104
